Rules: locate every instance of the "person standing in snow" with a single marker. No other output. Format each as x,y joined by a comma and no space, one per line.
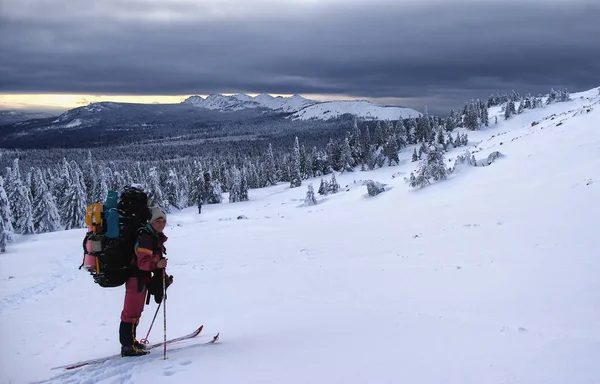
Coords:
149,265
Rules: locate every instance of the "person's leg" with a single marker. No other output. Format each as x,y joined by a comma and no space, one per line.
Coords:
130,316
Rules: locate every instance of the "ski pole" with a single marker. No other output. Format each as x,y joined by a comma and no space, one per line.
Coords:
165,311
145,339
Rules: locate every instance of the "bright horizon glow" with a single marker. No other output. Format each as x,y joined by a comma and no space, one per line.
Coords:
69,101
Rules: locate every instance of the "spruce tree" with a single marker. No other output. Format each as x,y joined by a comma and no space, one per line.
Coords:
346,156
450,141
90,179
441,139
197,188
235,187
172,192
471,120
437,163
101,191
155,193
271,169
45,213
244,185
215,195
334,187
184,191
5,213
21,205
61,188
310,198
74,203
521,107
3,237
323,188
296,176
433,165
390,150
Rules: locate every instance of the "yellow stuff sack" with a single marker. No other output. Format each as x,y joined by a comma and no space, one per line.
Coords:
93,214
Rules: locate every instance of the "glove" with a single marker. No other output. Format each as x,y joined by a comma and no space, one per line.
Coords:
156,285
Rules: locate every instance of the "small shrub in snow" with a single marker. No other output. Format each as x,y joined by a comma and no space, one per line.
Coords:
493,156
374,188
466,159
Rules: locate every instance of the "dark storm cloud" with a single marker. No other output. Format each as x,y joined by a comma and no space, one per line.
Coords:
438,50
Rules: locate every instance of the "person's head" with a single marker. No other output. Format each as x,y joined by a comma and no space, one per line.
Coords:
158,220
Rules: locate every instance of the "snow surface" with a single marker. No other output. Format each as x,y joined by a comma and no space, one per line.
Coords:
360,108
491,276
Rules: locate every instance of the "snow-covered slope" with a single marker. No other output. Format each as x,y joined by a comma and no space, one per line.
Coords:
488,277
241,101
361,108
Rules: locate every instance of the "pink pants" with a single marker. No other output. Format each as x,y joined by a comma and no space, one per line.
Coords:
134,301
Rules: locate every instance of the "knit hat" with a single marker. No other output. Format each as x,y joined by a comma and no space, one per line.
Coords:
157,212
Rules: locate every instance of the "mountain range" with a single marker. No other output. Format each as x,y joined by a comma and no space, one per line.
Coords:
106,123
302,108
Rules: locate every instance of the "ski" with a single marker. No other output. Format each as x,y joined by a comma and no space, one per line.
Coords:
148,347
188,336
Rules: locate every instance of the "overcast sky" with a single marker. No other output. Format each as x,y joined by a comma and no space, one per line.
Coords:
414,53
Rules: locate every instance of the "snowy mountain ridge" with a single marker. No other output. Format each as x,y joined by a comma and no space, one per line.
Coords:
302,108
360,108
242,101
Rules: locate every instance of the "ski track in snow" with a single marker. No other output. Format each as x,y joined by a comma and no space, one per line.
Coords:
120,370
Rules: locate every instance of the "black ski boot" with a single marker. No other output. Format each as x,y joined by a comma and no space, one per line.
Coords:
136,343
132,351
128,343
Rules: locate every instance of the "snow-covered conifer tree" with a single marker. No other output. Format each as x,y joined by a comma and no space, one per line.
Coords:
390,150
346,160
90,179
102,187
310,198
45,214
3,237
441,140
155,193
271,169
334,187
216,193
521,107
323,187
74,204
433,165
184,191
172,191
415,157
296,176
234,188
197,187
244,185
5,214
